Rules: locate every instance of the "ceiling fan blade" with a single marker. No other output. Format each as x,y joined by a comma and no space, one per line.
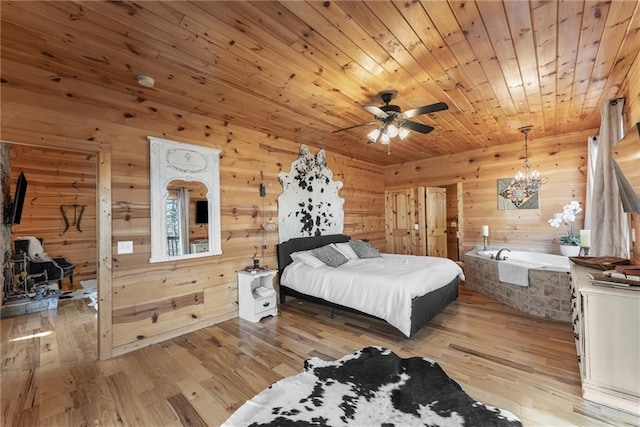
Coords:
355,126
438,106
418,127
376,111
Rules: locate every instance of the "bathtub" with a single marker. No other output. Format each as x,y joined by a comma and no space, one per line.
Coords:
547,293
557,262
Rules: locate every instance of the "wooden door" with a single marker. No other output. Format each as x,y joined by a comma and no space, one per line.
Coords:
399,220
433,221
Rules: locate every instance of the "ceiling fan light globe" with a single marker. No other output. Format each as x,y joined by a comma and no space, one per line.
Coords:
403,133
392,131
384,139
373,135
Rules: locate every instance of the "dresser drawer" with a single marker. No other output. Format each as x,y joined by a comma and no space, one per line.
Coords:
264,304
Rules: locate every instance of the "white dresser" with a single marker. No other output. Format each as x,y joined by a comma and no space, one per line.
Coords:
606,324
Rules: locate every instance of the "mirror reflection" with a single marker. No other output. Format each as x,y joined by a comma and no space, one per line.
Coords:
187,218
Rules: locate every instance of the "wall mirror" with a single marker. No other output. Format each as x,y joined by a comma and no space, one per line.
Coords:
185,200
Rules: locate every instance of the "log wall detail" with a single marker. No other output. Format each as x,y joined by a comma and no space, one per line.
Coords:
43,116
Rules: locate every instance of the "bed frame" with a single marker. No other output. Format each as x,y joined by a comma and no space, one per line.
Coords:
423,308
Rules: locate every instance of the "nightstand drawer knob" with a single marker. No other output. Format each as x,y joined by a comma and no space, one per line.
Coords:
266,304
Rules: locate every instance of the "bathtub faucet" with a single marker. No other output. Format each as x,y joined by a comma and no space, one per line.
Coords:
503,257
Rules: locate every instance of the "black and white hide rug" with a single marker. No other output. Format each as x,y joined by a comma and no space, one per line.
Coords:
371,387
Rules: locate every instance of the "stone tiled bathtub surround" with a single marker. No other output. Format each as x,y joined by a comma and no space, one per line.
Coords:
546,296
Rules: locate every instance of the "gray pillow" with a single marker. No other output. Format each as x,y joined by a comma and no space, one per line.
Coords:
330,256
364,249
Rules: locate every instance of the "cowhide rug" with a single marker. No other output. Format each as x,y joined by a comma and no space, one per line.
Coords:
370,387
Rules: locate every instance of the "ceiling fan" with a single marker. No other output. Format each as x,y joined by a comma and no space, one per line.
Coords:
393,122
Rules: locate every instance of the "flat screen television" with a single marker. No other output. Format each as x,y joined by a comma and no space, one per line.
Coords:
202,212
13,210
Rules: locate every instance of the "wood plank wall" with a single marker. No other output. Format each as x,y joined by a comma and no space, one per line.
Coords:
561,159
58,178
152,302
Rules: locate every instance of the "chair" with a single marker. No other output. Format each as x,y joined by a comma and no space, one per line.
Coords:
39,262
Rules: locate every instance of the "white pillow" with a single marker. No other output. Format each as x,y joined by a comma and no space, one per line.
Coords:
345,249
308,258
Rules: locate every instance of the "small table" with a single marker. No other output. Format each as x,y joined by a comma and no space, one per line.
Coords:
256,295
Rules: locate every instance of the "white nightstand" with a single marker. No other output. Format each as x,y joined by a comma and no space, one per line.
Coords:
256,296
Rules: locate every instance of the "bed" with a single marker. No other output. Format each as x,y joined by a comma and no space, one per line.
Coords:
421,292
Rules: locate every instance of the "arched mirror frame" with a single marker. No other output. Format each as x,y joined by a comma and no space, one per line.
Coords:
172,160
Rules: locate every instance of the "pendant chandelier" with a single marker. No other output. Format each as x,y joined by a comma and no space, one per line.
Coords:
527,180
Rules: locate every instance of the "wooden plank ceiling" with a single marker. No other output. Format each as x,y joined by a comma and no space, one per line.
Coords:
302,69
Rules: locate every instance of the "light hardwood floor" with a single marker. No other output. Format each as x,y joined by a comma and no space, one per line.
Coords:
499,356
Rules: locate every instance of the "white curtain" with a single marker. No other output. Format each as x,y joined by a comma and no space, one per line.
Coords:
183,208
609,225
592,155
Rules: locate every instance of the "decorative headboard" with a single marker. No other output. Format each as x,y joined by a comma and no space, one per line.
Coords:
285,249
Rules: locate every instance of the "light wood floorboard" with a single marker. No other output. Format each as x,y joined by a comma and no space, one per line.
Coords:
501,357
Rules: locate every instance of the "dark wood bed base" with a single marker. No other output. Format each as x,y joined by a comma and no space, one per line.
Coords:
424,308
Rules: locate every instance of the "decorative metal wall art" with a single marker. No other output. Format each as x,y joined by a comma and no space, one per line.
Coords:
511,196
78,211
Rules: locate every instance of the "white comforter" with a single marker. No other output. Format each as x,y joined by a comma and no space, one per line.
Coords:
382,287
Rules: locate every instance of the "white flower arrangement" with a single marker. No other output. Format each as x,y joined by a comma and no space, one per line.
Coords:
567,216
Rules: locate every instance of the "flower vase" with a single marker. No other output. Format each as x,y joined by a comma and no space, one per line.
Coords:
569,250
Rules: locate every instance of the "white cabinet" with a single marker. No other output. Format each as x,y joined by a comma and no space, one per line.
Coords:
607,327
256,296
